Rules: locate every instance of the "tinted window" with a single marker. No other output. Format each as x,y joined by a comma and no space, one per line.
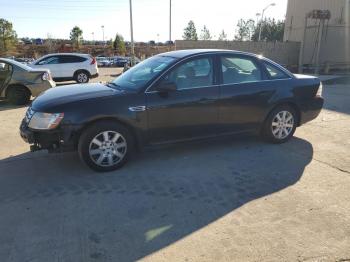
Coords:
239,70
274,72
195,73
64,59
49,60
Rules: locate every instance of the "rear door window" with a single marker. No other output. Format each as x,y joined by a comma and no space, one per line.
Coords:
67,59
239,69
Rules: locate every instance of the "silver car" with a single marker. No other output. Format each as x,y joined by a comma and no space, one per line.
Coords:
19,82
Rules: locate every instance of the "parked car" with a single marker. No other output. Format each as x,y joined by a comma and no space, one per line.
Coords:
19,82
120,61
69,66
175,96
103,62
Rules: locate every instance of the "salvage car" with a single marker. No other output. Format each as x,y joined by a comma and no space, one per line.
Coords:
171,97
19,82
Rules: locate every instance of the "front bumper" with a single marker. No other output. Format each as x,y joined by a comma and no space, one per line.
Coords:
58,140
311,110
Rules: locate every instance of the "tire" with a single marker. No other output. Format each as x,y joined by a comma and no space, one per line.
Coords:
280,125
18,95
82,77
99,151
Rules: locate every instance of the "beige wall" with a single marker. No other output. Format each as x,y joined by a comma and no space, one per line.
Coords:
335,43
284,53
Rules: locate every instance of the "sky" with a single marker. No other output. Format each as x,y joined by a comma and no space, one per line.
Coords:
40,18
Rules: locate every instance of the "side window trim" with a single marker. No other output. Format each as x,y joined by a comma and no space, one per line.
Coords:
180,63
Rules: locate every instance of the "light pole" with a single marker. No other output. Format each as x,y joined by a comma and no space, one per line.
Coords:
262,18
132,36
257,18
103,34
170,22
93,36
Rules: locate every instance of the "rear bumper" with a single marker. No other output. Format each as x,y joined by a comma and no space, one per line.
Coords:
60,140
311,110
38,88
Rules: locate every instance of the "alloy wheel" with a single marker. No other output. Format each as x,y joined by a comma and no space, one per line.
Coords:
82,78
107,148
282,124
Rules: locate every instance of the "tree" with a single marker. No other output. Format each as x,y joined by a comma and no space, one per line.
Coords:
119,44
271,30
190,32
245,30
8,36
222,36
205,34
76,35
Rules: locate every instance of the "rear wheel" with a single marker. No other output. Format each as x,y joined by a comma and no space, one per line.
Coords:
280,125
18,95
105,146
82,77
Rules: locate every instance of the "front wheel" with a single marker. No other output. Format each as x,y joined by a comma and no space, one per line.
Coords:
105,146
280,125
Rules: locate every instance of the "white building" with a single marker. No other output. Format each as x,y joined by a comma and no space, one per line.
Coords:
335,44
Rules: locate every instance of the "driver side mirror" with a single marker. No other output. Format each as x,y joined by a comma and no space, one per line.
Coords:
166,87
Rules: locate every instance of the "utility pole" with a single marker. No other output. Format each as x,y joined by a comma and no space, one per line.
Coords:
170,22
132,36
302,47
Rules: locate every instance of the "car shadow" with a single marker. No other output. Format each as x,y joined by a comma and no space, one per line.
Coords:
5,105
158,198
337,98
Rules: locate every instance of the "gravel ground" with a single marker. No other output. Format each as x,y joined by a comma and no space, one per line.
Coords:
235,199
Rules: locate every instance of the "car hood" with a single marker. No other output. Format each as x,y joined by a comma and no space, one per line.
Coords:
71,93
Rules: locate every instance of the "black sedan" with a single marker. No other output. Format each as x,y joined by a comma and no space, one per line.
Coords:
175,96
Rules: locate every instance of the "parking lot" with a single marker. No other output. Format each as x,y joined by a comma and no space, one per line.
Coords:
228,199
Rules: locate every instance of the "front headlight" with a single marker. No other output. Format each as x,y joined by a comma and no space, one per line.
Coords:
45,120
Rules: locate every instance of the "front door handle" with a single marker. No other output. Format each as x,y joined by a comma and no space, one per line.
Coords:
137,108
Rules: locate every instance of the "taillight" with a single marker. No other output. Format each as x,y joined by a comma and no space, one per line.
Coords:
93,61
46,76
319,91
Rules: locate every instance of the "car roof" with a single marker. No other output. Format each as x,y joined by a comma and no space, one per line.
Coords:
191,52
76,54
16,63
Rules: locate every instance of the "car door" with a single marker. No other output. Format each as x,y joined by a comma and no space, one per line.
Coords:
53,64
71,64
189,111
244,93
5,75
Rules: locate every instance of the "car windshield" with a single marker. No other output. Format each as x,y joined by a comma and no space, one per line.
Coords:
137,76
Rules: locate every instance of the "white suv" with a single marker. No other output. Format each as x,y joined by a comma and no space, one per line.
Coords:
69,66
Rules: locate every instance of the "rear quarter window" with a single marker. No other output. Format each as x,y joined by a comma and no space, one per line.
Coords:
274,72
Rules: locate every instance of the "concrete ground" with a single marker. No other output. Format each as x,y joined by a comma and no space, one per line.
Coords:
236,199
